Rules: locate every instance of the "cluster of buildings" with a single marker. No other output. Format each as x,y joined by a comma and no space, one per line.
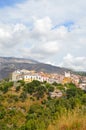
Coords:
82,83
67,77
29,76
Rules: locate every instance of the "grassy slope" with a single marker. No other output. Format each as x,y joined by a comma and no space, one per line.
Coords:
71,121
74,120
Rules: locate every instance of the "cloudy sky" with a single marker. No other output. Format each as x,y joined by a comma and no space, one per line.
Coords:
50,31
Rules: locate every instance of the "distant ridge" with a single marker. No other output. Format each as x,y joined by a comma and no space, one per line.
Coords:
9,64
18,60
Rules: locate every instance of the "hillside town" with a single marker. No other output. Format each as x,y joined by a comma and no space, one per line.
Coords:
67,77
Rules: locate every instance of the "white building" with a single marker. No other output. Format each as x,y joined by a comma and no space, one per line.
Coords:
67,74
16,75
83,86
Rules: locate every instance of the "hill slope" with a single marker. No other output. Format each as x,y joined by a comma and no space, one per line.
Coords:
9,64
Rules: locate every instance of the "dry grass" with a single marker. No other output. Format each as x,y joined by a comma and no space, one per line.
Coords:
70,121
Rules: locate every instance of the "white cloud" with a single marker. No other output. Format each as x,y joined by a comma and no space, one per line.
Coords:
76,63
42,25
40,29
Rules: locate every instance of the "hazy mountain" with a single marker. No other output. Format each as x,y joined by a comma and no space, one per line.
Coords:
9,64
16,60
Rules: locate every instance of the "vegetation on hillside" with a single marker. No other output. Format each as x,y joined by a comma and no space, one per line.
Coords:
28,106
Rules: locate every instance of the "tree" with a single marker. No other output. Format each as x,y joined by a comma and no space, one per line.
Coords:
18,88
51,89
23,96
40,91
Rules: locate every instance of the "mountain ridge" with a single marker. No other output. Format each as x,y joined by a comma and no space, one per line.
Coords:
10,64
16,59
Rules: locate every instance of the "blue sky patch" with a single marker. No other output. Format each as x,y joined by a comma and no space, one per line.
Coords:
67,24
4,3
